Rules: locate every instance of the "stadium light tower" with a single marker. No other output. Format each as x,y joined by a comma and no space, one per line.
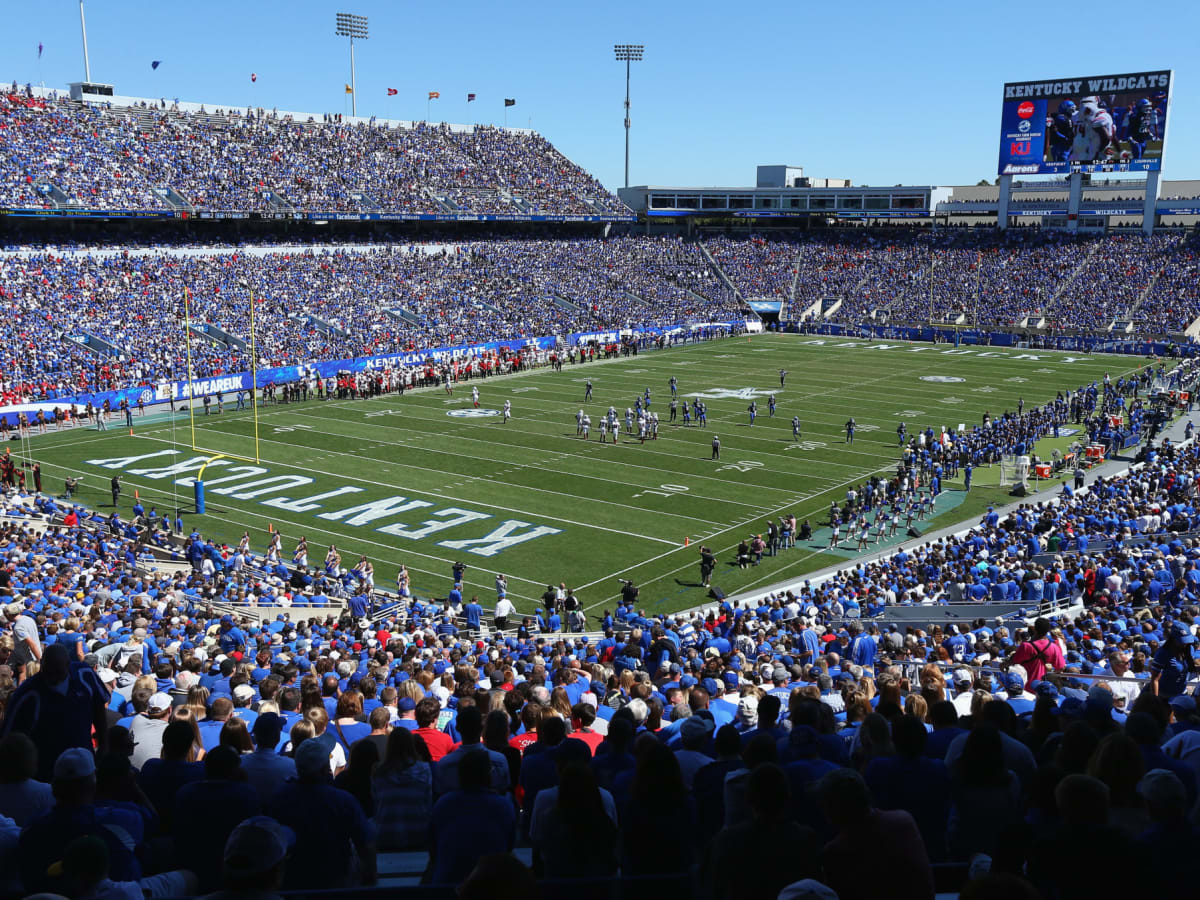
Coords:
352,26
87,66
628,53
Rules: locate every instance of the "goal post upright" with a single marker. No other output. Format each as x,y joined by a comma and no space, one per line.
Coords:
191,397
254,375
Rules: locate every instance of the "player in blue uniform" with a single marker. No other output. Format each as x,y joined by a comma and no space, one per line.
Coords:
1059,132
771,405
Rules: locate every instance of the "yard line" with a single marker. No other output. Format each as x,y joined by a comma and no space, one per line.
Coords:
398,427
579,443
452,475
304,527
424,493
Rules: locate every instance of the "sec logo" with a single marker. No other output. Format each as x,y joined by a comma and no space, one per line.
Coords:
1025,110
472,413
146,396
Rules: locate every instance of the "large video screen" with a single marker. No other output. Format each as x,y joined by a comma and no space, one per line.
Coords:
1102,123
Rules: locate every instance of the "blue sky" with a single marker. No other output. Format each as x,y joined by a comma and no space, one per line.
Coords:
881,93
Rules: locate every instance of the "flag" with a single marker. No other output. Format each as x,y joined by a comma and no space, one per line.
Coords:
433,95
509,101
392,92
156,63
470,98
254,76
40,49
349,90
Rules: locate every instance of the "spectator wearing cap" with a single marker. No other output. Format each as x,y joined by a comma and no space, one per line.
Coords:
254,860
893,836
75,815
83,871
694,735
147,729
1174,662
329,825
22,799
406,714
206,811
60,707
265,769
708,784
771,825
243,697
1014,693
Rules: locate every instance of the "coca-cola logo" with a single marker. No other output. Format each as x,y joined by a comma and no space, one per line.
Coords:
1025,110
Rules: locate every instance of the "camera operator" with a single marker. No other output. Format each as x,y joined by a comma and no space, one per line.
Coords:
629,593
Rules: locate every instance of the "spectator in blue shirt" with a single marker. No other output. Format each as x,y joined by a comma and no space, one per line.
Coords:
468,823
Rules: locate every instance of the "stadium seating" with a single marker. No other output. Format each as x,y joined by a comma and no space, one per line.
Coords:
61,153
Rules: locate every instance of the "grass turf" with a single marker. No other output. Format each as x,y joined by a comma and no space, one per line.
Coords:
598,512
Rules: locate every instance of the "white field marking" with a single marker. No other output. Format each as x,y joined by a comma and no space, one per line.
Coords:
488,478
667,436
460,500
409,438
576,441
304,528
812,411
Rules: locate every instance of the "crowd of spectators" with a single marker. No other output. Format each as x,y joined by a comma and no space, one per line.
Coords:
284,751
108,157
1077,283
328,303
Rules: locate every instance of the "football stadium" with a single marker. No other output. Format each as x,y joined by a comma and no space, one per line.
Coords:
488,530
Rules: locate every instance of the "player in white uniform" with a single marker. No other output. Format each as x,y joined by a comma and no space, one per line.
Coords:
654,426
642,428
579,423
587,427
507,411
1094,131
604,429
629,419
475,396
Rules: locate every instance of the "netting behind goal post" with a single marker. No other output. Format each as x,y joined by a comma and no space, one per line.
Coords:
1008,470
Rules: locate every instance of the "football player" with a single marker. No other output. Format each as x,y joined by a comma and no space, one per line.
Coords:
1143,127
1060,132
1094,131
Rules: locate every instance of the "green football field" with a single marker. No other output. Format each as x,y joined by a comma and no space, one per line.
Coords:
425,479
